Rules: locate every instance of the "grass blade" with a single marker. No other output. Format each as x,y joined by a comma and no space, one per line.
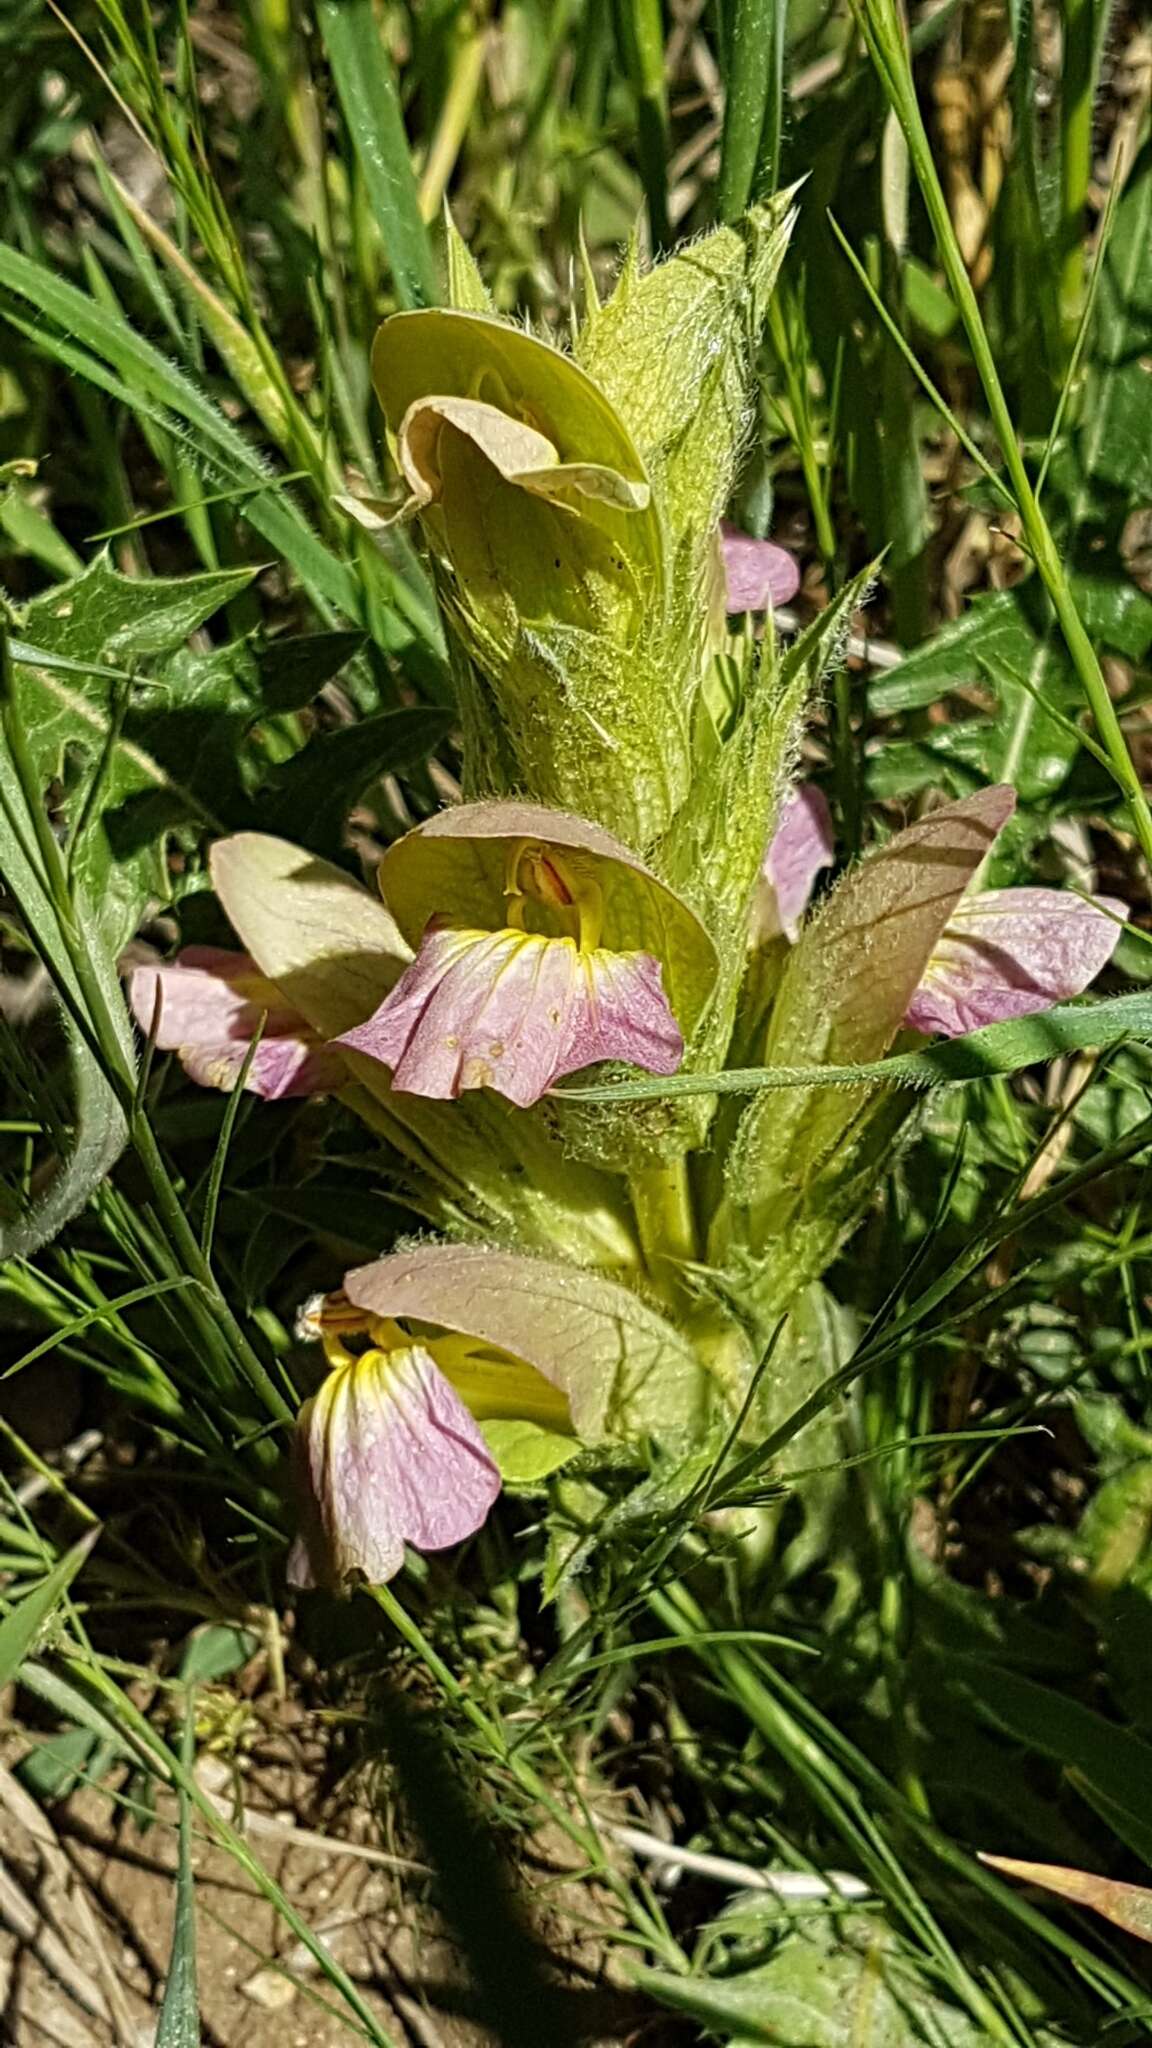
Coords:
366,87
24,1621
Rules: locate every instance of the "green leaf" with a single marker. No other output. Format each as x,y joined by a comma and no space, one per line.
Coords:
1116,445
104,618
1114,1762
25,1618
830,1984
366,88
995,1049
294,670
998,646
312,794
100,1131
216,1651
179,2023
149,384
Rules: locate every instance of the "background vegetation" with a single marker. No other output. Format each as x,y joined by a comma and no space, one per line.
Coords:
948,1646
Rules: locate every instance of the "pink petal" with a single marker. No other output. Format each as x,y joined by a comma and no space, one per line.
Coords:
513,1011
802,844
757,572
1011,952
211,1004
387,1454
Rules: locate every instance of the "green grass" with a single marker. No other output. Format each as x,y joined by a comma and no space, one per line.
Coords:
937,1638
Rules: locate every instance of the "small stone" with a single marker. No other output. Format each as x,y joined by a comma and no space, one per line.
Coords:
270,1989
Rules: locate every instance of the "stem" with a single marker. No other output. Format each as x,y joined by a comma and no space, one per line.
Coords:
662,1199
455,114
884,31
1076,155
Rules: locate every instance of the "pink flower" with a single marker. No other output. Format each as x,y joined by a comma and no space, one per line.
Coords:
387,1454
392,1449
802,844
211,1004
513,1010
1003,953
758,574
1011,952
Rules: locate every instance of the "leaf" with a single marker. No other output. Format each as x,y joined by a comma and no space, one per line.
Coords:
998,646
215,1651
626,1372
179,2023
1115,1762
294,668
313,793
25,1618
995,1049
100,1130
1116,444
156,388
366,88
106,619
1127,1905
818,1991
103,616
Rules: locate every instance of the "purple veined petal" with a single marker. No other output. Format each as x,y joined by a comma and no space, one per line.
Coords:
1010,953
513,1011
757,573
211,1004
387,1454
803,843
281,1067
207,995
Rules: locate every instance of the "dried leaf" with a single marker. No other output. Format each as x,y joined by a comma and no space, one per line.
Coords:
1127,1905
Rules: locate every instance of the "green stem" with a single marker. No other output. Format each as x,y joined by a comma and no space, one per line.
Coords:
750,145
666,1224
884,31
640,27
1075,156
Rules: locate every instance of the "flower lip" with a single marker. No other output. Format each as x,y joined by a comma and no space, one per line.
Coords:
513,1011
444,352
1013,953
458,859
387,1454
207,1007
757,573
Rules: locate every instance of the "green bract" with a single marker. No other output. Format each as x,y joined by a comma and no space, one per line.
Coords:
569,509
